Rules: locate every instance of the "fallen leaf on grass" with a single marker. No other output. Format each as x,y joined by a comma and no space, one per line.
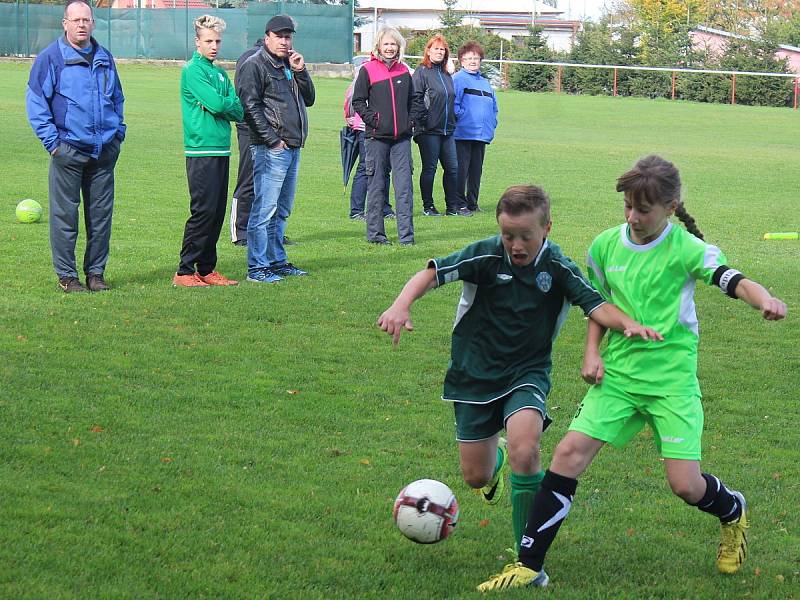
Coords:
293,392
364,461
776,476
22,338
483,522
757,572
96,429
76,442
779,578
166,459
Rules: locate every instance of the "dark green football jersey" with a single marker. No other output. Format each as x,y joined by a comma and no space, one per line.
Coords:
508,318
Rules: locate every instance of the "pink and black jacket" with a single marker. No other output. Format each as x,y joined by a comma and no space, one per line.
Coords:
382,97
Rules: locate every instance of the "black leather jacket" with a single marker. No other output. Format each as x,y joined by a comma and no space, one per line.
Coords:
274,105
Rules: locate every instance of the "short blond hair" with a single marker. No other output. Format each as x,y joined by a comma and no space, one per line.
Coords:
208,22
395,35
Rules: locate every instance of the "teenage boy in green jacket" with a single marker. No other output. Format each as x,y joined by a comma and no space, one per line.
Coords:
208,104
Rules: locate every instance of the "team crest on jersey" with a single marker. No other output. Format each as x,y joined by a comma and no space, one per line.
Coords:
544,281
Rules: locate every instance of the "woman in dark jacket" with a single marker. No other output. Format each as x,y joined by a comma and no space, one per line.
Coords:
434,125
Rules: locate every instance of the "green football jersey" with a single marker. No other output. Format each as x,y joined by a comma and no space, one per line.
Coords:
508,318
653,283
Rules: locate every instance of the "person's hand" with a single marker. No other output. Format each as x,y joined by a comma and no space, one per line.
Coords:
773,309
394,320
54,152
296,61
646,333
593,369
279,146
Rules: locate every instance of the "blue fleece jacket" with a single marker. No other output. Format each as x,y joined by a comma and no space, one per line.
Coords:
475,107
70,100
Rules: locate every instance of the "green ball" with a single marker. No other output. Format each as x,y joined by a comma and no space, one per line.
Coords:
29,211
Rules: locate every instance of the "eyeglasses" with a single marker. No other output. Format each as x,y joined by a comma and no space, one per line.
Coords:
79,21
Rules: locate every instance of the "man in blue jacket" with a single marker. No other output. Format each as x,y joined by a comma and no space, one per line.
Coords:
74,102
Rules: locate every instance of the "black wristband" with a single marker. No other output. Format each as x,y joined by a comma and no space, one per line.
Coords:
727,279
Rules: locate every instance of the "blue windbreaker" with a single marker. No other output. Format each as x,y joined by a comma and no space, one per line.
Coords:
71,101
475,107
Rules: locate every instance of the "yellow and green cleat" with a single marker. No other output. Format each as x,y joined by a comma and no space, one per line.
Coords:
492,492
515,575
733,543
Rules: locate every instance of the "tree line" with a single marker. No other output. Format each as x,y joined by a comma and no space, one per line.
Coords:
651,33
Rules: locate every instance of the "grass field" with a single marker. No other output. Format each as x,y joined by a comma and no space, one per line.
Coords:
249,442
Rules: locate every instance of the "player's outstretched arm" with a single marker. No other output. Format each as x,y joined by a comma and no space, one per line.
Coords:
398,316
772,309
611,317
593,369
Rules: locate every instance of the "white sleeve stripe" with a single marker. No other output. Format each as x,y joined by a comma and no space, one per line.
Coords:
711,257
466,260
597,271
583,281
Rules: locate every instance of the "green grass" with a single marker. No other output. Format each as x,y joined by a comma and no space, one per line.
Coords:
249,442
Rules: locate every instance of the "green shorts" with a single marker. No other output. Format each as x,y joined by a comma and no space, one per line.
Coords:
611,414
476,422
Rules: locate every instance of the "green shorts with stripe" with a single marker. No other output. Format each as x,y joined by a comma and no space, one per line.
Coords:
610,414
476,422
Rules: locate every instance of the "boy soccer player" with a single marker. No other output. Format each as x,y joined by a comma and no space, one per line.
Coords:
518,287
208,104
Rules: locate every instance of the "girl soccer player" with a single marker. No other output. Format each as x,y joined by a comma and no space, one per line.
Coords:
648,268
518,287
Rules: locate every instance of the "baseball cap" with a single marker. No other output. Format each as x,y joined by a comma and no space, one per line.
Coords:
280,23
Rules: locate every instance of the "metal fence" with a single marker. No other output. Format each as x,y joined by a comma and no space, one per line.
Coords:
324,32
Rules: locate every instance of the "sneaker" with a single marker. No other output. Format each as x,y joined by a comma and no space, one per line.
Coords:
242,242
96,283
493,491
192,280
264,276
406,243
460,212
515,575
288,242
390,215
733,542
475,208
217,278
358,217
287,270
70,285
381,242
431,212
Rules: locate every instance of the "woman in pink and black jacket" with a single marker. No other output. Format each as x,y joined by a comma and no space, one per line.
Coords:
382,98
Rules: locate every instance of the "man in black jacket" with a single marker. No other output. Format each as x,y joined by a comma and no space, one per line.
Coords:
275,88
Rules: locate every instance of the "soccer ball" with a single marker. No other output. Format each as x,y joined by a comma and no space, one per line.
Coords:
426,511
29,211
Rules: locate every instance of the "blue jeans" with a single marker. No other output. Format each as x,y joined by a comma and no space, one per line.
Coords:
274,180
435,149
358,192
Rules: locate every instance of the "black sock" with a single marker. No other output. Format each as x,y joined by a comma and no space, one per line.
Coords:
549,509
719,501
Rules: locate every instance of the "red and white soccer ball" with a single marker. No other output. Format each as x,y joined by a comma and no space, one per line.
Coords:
426,511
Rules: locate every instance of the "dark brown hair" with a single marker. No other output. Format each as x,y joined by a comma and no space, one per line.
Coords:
520,199
654,180
426,60
471,46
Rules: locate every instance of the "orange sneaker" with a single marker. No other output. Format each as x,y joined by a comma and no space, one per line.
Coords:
216,278
192,280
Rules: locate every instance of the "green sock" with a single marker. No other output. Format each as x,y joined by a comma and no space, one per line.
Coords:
523,489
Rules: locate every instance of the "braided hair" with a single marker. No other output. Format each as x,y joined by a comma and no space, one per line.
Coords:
655,180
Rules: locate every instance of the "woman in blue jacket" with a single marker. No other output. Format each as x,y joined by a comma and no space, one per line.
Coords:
476,119
435,122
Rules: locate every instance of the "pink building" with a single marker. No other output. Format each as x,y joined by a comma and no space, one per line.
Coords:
715,41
